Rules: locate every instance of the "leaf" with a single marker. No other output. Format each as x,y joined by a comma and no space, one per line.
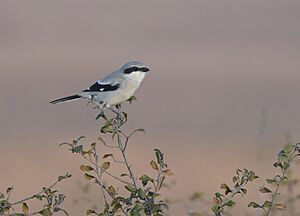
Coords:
215,208
142,195
107,155
226,188
77,149
253,177
265,190
46,212
9,190
25,208
101,139
88,177
254,205
270,181
90,211
135,211
230,203
57,209
244,190
279,206
106,127
2,196
277,164
267,204
160,158
93,145
153,164
105,165
130,188
86,168
217,201
168,172
286,165
145,179
218,195
60,178
111,190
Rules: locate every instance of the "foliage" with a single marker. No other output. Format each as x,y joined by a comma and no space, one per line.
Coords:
283,163
136,196
225,199
52,201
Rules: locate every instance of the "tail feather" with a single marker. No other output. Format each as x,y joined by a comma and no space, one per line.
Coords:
64,99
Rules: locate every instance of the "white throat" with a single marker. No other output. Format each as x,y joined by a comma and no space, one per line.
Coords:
136,76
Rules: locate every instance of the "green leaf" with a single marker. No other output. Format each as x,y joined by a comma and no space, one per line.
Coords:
160,158
215,208
77,149
218,195
145,179
230,203
135,211
106,127
130,188
142,195
267,204
254,205
285,165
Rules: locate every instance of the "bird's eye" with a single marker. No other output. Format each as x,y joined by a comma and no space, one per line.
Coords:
135,68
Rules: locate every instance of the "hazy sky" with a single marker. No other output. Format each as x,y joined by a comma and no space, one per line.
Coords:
215,66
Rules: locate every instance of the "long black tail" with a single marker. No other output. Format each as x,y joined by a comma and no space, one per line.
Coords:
64,99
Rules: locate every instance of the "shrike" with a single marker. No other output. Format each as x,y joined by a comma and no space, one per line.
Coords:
113,89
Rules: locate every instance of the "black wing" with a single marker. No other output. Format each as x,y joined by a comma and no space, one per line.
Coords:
97,87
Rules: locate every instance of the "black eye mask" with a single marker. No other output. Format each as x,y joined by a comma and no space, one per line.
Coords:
135,69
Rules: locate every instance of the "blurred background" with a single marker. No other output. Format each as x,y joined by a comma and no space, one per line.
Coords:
223,92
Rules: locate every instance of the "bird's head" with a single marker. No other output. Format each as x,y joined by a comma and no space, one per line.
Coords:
134,67
135,70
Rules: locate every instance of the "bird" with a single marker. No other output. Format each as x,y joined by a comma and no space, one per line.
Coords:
113,89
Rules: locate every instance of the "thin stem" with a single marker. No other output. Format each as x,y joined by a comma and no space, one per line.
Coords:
105,171
33,196
99,177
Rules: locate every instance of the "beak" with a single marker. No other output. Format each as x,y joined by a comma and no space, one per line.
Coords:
145,69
